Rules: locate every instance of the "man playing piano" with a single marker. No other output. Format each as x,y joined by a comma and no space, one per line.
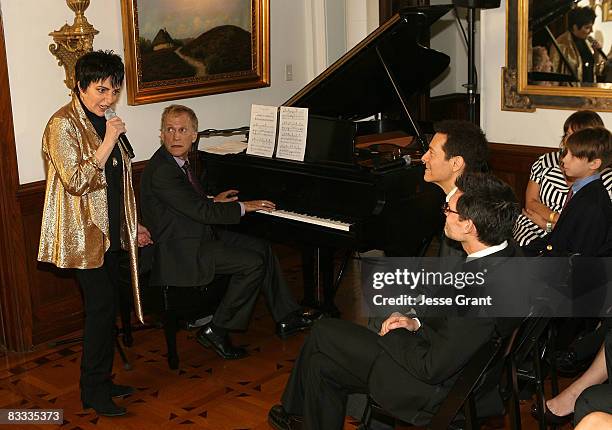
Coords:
410,365
189,251
457,147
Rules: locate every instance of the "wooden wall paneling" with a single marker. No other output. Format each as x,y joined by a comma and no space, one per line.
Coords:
15,305
452,106
512,164
54,294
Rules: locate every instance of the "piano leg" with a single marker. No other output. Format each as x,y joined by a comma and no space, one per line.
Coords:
318,276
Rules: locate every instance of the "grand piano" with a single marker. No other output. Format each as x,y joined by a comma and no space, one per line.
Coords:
349,193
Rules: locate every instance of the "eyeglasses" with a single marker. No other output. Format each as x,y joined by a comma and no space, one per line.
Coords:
446,209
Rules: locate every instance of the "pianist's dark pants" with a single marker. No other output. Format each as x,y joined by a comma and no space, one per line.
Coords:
254,268
99,288
335,360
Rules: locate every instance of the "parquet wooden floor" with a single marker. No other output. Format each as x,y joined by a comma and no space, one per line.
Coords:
205,393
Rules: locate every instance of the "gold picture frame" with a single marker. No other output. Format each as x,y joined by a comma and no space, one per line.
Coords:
220,46
518,94
606,10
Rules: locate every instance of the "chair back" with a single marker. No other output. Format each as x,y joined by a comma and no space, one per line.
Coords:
483,370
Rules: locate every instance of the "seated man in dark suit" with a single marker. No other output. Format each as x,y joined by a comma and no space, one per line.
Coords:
189,251
410,366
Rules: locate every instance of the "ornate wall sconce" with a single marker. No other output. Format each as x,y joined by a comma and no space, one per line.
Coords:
72,41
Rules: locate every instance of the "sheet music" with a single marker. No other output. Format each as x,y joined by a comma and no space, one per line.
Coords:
262,135
292,133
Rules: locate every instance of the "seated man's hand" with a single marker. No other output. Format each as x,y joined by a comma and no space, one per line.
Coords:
258,205
397,320
226,196
143,235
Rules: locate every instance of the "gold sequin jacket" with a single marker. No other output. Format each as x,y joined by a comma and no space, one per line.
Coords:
569,49
74,231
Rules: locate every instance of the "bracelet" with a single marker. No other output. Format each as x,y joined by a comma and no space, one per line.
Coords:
551,217
548,227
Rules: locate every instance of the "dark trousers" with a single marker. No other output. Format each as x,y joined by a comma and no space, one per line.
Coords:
599,397
335,361
253,268
99,288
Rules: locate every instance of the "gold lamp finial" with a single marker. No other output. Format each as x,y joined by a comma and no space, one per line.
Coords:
72,41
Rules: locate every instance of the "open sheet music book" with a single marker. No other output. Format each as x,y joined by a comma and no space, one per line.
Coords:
285,131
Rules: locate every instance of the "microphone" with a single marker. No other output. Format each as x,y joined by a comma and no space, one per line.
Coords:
123,140
592,39
394,164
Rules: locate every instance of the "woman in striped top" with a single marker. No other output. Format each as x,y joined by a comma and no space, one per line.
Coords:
547,188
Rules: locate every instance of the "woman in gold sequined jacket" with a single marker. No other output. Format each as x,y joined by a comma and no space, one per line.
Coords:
89,216
584,58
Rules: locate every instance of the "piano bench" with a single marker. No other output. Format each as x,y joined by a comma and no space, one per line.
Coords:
190,308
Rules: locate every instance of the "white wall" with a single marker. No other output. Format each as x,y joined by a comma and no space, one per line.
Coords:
446,37
37,88
541,128
335,29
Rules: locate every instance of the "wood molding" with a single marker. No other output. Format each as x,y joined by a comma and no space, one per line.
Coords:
15,301
512,164
452,106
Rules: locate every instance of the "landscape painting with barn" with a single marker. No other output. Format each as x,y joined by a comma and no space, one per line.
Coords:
189,48
194,38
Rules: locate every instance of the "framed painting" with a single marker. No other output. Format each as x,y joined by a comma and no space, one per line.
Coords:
176,49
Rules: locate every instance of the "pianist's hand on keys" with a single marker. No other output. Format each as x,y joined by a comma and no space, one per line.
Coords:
226,196
259,205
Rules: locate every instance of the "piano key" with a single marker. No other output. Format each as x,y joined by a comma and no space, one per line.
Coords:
309,219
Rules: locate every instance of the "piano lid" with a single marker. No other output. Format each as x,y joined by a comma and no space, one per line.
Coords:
357,86
544,12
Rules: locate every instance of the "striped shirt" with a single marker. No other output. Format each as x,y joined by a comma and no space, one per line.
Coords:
553,192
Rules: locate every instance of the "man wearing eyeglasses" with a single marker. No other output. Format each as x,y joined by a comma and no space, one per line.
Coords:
189,251
411,364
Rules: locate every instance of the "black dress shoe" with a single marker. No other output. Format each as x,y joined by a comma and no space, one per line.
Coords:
221,344
295,323
550,419
568,364
121,390
106,408
279,419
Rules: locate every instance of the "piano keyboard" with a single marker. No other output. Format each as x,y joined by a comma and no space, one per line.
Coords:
308,219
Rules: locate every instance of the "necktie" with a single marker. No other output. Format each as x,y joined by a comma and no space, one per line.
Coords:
569,196
193,180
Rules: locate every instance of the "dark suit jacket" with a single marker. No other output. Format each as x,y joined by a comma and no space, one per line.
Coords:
585,225
179,220
418,369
